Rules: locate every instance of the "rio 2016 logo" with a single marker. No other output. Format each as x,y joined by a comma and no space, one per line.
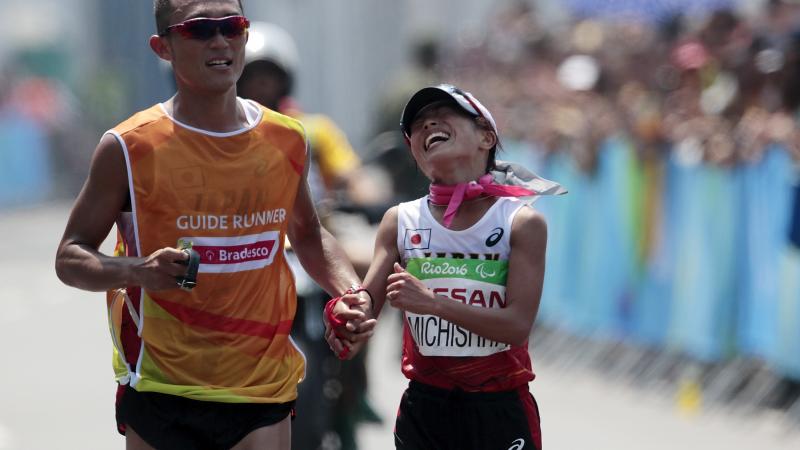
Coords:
443,269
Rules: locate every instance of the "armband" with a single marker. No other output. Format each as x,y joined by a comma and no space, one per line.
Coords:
332,319
336,323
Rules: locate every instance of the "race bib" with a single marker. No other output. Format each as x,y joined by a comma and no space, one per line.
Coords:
477,283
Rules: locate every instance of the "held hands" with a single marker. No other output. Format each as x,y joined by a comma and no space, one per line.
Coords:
158,271
354,313
406,292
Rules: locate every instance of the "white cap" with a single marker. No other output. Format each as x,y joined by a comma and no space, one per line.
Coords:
447,92
271,43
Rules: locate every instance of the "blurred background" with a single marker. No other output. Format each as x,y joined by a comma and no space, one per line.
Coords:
671,310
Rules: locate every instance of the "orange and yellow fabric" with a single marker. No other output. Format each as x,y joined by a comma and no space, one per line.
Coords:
229,195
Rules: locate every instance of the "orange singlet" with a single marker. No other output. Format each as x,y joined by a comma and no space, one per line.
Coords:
231,196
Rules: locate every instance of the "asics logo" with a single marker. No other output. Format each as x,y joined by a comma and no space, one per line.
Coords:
495,237
518,444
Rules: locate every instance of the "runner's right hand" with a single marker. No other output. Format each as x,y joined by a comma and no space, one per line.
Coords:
158,271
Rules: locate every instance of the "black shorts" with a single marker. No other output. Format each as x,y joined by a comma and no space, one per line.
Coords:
433,418
172,422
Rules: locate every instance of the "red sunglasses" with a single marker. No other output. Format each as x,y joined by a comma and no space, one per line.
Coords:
204,28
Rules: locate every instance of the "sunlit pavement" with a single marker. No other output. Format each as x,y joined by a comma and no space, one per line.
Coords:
56,383
57,387
584,411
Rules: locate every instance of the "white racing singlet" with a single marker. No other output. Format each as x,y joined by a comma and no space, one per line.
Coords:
468,266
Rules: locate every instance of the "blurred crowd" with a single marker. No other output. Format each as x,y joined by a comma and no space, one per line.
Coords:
718,86
677,137
35,138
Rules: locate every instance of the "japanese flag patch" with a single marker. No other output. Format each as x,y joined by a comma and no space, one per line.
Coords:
419,239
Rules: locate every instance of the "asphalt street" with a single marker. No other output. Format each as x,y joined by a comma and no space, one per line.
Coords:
57,387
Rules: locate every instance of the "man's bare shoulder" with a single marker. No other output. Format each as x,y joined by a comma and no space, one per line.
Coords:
108,156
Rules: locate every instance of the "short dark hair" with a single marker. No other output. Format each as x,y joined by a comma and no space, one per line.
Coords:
163,11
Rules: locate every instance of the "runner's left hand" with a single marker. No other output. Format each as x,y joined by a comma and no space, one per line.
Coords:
406,292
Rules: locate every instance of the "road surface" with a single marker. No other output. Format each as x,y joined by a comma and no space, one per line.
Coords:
57,388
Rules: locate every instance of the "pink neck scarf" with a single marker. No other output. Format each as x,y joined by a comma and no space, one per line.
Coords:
453,196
